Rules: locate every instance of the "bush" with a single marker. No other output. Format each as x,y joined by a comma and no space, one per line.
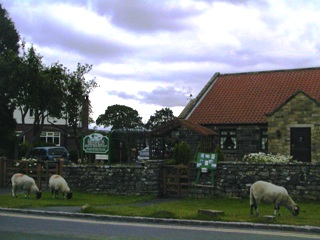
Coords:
263,157
182,153
219,153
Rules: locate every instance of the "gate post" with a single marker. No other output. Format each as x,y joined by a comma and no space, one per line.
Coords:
2,172
39,173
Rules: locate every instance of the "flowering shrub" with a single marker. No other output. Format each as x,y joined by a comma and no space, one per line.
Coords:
263,157
32,162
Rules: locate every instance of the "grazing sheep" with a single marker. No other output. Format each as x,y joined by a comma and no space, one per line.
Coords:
22,181
58,184
270,193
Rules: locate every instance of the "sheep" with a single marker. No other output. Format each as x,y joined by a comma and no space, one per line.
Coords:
270,193
22,181
58,184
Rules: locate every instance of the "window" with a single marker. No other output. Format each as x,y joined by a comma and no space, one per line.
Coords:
228,139
264,139
31,112
50,137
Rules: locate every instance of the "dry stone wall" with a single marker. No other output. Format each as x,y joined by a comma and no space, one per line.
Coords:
231,179
118,180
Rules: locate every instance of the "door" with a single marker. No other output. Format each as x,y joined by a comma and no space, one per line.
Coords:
301,144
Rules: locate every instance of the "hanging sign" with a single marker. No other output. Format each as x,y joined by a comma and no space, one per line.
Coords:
95,143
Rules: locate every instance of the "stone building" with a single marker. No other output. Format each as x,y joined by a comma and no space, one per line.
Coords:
269,111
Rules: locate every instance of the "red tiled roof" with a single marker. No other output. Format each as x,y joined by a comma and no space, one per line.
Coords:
247,97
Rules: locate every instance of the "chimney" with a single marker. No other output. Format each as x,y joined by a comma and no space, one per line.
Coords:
85,115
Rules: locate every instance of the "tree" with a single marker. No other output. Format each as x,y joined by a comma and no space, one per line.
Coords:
120,116
9,37
9,46
41,91
126,121
160,117
78,90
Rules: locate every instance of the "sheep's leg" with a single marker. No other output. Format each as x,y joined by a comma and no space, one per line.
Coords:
56,194
53,193
257,210
14,191
254,206
276,209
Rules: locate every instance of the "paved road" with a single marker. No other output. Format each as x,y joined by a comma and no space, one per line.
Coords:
31,226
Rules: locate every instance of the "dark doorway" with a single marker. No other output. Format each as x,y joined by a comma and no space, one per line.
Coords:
301,144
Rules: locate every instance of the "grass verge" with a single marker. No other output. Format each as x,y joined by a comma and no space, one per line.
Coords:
235,210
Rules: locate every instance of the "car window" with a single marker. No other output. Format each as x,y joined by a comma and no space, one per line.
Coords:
56,151
38,152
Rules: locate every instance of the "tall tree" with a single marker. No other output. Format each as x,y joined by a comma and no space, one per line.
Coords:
41,91
78,89
160,117
9,37
124,119
120,116
9,46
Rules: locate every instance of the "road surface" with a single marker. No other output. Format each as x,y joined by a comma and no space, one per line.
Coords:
30,226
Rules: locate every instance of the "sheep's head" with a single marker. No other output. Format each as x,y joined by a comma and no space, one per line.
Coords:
38,195
295,210
69,195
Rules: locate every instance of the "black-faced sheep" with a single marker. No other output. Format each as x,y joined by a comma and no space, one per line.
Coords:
58,184
26,183
267,192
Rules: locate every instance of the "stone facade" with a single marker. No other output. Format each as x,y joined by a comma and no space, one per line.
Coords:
298,112
248,140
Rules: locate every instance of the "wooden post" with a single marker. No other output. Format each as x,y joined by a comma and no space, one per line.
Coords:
61,160
39,174
2,172
164,181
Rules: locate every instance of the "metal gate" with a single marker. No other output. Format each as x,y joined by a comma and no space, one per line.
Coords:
175,181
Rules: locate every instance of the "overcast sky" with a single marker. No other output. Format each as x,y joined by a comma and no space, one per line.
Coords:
152,54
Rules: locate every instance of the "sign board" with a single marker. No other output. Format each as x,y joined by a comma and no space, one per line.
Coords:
95,143
207,161
102,157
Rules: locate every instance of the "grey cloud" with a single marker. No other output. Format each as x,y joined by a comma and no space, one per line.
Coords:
146,16
50,33
165,97
123,95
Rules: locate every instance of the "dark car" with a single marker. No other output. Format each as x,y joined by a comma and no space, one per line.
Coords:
49,154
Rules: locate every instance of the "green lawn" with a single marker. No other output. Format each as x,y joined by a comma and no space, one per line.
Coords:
235,210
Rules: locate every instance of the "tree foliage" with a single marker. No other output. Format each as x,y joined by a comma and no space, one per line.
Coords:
51,91
76,97
160,117
30,86
9,45
41,90
120,116
127,121
9,37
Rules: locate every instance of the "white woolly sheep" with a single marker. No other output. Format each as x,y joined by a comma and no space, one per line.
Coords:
267,192
22,181
58,184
